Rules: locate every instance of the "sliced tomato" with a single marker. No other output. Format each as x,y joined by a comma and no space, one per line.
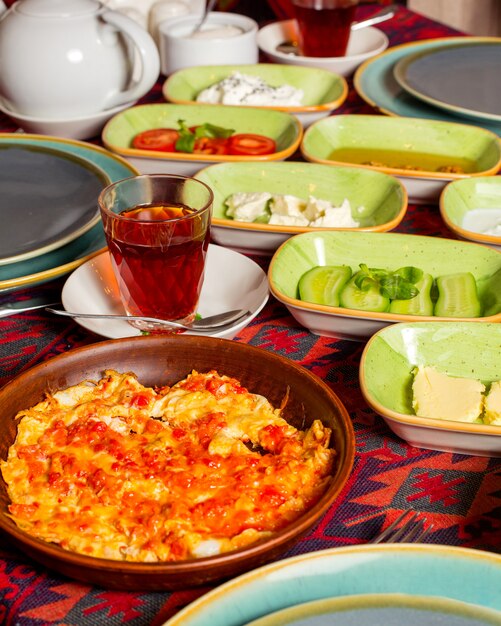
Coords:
250,144
161,139
211,145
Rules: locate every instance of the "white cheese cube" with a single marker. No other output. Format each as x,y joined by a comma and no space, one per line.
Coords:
287,205
288,220
246,207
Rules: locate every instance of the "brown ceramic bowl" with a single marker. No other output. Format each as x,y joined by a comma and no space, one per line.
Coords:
165,360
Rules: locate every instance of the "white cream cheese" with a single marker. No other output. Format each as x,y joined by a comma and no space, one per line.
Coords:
216,32
240,88
483,221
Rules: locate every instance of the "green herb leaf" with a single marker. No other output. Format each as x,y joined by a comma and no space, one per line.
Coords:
410,274
210,130
395,287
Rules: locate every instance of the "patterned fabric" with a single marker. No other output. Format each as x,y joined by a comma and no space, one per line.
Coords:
460,495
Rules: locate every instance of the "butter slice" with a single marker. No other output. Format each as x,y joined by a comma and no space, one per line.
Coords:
493,405
440,396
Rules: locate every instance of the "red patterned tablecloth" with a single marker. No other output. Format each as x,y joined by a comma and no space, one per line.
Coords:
460,495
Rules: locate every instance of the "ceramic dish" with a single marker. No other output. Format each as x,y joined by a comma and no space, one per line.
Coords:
439,77
117,135
382,197
65,259
178,49
48,199
384,608
423,570
364,44
382,250
471,206
92,289
86,127
460,349
164,360
323,91
376,84
397,146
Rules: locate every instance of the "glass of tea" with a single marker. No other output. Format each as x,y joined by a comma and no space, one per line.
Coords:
158,228
324,26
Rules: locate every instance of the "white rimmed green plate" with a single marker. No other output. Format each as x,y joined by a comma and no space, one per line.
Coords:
118,133
466,575
323,91
66,258
382,199
389,251
462,349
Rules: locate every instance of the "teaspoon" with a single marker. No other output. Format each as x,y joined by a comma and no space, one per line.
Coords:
205,323
292,47
208,8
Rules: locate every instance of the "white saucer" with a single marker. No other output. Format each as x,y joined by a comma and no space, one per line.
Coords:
73,128
232,281
364,44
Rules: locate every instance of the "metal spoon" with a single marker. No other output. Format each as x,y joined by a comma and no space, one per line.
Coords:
206,323
208,8
292,47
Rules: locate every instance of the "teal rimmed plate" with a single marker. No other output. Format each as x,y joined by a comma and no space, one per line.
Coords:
461,79
64,259
375,83
463,349
466,575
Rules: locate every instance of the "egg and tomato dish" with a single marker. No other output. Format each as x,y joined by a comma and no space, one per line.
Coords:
117,470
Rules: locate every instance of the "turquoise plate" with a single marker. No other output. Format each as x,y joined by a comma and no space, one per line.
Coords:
376,84
65,259
462,574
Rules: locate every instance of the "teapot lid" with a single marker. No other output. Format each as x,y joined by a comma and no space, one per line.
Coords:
57,8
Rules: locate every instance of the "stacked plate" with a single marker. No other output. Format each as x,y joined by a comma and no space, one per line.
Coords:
51,221
449,79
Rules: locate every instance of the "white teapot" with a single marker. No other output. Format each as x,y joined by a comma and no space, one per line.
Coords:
61,59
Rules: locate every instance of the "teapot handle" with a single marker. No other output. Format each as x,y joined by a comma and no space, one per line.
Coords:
148,54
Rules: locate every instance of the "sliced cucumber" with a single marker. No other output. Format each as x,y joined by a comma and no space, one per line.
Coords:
421,304
370,299
322,285
492,295
457,296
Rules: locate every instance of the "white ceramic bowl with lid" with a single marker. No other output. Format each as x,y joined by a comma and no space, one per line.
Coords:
224,38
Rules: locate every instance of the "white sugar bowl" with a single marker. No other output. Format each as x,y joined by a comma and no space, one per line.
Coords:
225,38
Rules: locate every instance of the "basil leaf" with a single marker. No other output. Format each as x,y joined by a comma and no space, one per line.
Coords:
410,274
397,288
186,142
210,130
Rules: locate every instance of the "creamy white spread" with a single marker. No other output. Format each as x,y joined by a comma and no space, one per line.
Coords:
216,32
288,210
483,221
240,88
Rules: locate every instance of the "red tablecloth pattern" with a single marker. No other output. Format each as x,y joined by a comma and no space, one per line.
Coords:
459,494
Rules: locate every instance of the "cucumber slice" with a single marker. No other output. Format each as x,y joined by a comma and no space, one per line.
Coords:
421,304
363,300
322,285
457,296
492,295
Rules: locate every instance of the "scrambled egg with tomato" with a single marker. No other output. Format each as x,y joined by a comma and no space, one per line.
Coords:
117,470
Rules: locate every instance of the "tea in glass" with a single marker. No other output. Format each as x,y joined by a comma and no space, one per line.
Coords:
158,228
